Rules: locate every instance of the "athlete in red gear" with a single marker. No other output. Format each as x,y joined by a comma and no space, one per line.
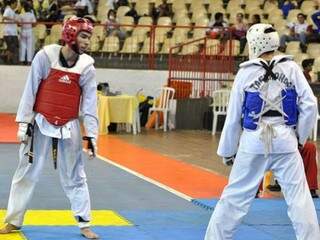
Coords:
61,81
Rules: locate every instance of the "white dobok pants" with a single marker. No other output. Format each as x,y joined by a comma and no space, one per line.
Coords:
246,174
71,170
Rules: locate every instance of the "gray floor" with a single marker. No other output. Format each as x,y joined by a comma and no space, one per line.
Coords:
110,187
155,213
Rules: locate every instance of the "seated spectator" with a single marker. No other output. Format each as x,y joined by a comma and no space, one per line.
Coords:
307,68
83,7
133,13
217,26
312,35
112,25
299,3
53,12
153,12
316,19
239,29
164,9
308,153
287,6
298,32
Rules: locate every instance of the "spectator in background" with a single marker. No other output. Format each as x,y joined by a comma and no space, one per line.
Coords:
26,34
314,33
10,33
153,12
239,29
164,9
299,3
53,12
217,26
287,6
316,19
133,13
30,2
83,7
298,32
307,68
309,155
255,19
112,25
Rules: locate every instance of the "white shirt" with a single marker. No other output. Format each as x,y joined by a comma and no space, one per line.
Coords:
27,17
10,29
298,27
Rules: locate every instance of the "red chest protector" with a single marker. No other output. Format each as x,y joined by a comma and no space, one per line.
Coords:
58,96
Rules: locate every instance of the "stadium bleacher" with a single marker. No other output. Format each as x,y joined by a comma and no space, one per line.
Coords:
188,21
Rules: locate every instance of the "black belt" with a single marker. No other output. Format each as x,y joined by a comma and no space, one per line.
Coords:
30,154
30,134
272,113
55,151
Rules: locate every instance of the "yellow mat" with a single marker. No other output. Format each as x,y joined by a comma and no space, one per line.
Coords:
65,218
13,236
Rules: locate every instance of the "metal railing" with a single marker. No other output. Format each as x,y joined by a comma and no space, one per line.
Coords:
208,66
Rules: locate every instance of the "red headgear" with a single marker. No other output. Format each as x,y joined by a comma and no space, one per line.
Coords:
71,29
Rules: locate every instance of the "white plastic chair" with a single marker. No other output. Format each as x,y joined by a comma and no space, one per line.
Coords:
219,106
163,105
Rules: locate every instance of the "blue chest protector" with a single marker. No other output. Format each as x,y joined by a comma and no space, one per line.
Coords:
253,104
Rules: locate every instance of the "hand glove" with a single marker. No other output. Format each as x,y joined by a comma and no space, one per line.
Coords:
92,146
228,161
22,133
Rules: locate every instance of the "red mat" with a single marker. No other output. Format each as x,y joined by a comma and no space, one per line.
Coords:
8,128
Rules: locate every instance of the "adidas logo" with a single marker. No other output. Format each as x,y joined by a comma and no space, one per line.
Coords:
65,79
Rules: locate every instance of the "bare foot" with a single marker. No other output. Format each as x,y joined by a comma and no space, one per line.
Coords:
88,233
8,228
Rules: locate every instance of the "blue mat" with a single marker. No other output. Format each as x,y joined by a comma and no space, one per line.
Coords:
155,213
260,224
267,219
72,233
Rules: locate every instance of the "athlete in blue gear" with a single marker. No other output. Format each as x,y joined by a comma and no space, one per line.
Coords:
271,110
